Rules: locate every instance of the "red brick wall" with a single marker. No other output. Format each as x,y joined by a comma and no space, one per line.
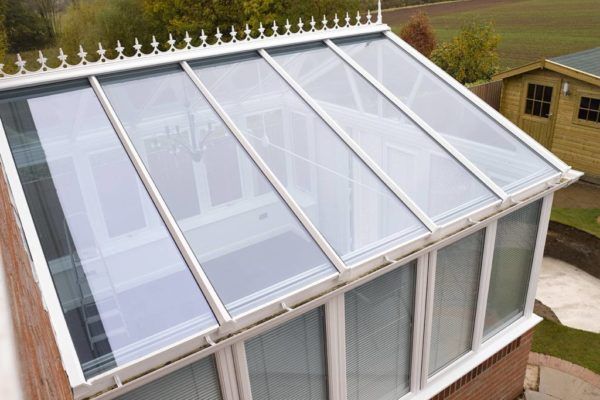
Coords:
41,370
500,377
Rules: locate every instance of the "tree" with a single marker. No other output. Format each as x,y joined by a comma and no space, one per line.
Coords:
48,10
472,55
419,34
25,28
3,40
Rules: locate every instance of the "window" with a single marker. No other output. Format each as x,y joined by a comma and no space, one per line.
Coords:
116,294
198,381
538,100
455,300
516,237
288,362
589,109
379,321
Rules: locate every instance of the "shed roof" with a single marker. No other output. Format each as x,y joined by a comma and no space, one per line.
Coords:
174,198
586,61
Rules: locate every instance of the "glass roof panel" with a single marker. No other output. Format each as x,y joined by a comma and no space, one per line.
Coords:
351,207
435,181
250,244
499,154
124,288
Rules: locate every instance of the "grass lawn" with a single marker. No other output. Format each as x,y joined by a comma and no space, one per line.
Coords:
584,219
579,347
532,29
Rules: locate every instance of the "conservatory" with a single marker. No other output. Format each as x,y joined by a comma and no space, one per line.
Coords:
312,211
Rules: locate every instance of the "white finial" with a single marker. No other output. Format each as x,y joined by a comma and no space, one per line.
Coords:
41,59
379,17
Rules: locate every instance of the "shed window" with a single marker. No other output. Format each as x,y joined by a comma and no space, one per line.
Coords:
589,109
539,98
455,300
288,362
198,381
379,318
513,255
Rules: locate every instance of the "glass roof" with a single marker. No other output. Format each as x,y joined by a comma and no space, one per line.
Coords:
495,151
242,180
441,186
355,211
247,240
107,248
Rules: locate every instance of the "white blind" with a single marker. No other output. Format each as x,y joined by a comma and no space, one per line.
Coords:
455,300
198,381
288,362
379,317
516,236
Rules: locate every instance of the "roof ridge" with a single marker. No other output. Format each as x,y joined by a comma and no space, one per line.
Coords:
214,40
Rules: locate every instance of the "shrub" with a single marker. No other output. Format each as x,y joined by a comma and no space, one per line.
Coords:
472,55
419,34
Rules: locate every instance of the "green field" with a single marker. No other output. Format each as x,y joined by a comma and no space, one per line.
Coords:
531,29
585,219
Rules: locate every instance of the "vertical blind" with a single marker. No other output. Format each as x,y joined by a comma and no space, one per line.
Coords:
379,318
455,300
288,362
198,381
516,236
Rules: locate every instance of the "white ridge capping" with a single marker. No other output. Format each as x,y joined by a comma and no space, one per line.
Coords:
482,105
238,41
455,153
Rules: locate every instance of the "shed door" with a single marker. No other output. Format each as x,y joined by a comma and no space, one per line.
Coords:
538,108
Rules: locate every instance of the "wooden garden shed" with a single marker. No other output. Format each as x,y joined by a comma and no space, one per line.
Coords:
557,101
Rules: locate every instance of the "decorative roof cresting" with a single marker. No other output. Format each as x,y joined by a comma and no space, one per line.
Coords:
217,39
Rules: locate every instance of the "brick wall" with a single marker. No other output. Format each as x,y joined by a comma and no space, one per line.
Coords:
500,377
41,371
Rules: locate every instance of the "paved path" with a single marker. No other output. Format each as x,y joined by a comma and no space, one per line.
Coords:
572,294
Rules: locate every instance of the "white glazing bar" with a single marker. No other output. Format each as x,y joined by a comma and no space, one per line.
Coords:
241,371
431,267
538,255
40,269
484,284
419,323
412,206
226,372
482,105
497,190
216,305
262,165
335,331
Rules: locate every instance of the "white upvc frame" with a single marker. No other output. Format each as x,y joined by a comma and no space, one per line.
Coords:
216,305
484,283
410,204
421,284
544,153
335,331
430,387
538,255
439,139
225,364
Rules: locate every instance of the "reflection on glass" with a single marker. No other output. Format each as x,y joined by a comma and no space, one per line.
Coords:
249,243
344,199
516,236
124,288
495,151
440,185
